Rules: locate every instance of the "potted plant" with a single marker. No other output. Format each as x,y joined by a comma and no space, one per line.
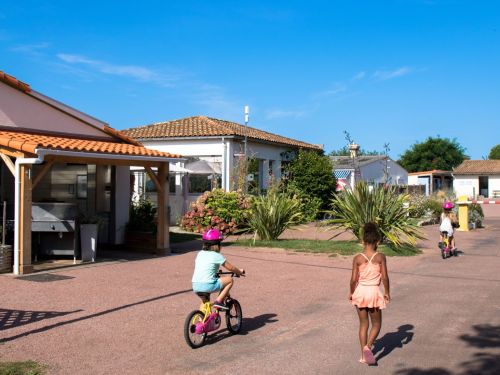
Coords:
476,215
89,226
141,229
5,254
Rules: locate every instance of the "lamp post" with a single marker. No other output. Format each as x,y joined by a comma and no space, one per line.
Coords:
247,113
353,151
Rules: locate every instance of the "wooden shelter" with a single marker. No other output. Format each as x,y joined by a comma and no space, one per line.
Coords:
37,133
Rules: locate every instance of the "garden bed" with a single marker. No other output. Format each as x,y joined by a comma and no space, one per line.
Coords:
21,368
333,248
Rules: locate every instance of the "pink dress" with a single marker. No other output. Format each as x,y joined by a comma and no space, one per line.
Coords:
367,292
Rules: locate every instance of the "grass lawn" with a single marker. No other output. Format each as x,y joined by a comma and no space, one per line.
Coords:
327,247
183,237
21,368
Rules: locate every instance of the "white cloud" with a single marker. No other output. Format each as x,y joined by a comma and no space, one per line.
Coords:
358,76
31,48
215,101
332,91
132,71
280,113
384,75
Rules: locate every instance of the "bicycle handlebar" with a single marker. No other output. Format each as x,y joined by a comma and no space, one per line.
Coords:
233,274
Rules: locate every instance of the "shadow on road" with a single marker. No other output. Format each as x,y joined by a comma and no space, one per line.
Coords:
249,325
486,337
259,321
16,318
392,340
91,316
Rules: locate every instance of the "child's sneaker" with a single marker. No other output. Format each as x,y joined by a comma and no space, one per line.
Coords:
220,305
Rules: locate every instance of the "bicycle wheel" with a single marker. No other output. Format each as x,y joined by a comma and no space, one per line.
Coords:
193,339
234,316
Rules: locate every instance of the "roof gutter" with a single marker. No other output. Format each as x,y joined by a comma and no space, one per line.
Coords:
205,137
235,137
96,155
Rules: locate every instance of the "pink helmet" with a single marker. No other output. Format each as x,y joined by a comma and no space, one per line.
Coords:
448,205
212,236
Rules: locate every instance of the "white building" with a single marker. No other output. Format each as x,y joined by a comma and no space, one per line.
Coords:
377,169
220,144
475,178
432,181
52,153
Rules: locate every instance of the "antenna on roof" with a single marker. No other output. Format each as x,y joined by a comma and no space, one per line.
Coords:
247,113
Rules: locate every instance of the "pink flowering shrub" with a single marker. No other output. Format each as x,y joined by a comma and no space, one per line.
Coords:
226,211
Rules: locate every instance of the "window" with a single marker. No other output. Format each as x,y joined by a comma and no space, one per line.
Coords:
81,186
199,183
150,185
171,182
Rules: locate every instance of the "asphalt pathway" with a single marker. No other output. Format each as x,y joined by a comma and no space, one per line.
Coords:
127,318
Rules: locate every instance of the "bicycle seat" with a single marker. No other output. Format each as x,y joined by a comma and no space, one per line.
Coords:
444,233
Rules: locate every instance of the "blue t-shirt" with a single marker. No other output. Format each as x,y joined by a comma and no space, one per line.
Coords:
206,265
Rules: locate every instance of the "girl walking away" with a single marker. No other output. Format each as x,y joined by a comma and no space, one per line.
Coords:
368,270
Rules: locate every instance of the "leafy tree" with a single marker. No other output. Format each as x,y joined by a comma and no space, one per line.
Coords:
344,151
433,153
494,153
311,174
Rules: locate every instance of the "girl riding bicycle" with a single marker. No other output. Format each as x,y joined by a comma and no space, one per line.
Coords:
207,264
448,223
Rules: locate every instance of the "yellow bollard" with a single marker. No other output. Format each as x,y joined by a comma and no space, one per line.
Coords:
463,213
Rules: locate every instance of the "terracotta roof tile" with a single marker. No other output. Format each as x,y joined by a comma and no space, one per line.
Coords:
28,142
116,133
485,167
14,82
202,126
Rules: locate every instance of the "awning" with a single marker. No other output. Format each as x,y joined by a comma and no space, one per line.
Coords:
204,167
342,173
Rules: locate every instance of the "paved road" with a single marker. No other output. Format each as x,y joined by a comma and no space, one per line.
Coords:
127,317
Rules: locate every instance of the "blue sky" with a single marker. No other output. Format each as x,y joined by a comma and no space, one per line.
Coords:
385,71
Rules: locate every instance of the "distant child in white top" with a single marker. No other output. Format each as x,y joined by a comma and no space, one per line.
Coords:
448,223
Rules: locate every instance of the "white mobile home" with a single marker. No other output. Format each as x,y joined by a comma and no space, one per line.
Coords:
52,153
475,178
214,147
376,169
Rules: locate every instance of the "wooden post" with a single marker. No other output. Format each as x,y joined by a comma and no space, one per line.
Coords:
162,236
25,221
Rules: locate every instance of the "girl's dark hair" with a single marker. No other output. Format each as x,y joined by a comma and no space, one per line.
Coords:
371,234
209,246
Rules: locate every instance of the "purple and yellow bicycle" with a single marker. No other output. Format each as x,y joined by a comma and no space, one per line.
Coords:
199,323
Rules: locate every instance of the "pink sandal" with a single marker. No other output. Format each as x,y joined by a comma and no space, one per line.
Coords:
368,356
